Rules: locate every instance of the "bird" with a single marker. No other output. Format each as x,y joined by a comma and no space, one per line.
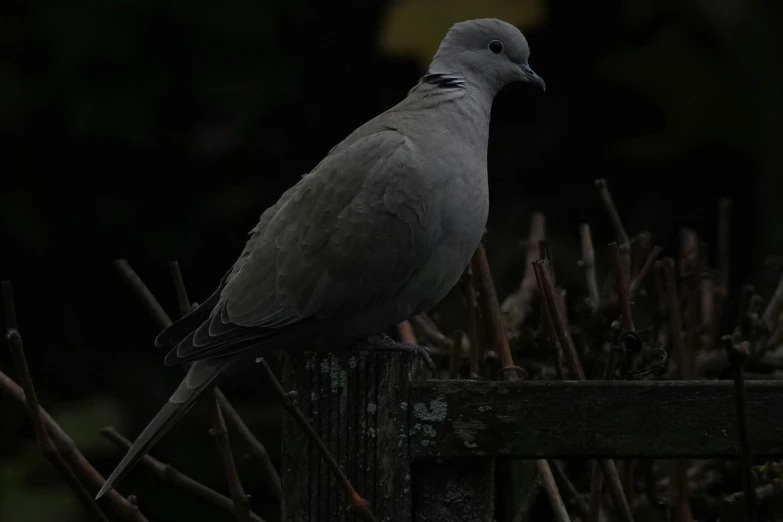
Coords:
378,231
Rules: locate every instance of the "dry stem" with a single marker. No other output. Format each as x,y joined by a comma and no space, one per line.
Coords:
42,437
500,342
617,223
588,264
489,305
469,303
775,305
82,468
516,306
608,468
220,434
173,476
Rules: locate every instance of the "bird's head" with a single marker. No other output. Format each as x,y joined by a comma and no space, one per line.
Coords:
486,50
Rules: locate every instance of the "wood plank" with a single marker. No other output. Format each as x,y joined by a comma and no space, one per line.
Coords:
603,419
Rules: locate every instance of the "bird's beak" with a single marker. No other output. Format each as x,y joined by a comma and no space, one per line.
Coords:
531,77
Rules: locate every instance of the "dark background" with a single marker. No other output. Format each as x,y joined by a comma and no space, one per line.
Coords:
160,130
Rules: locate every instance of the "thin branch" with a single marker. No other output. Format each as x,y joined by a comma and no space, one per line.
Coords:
680,507
254,445
550,487
607,466
489,305
220,434
145,296
596,485
689,251
359,504
517,306
405,331
572,497
470,307
623,294
617,223
588,264
737,355
14,340
621,286
638,280
126,509
169,474
500,342
523,512
775,305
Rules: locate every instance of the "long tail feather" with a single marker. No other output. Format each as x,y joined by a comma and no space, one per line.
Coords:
198,379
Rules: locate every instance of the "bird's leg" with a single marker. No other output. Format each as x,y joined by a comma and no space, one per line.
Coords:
382,342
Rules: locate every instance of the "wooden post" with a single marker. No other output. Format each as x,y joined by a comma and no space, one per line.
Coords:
358,404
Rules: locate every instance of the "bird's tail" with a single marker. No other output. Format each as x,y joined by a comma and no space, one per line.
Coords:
198,379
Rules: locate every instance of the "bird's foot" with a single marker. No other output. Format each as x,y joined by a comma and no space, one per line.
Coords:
382,342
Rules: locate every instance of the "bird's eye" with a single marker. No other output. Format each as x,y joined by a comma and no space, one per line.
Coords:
495,47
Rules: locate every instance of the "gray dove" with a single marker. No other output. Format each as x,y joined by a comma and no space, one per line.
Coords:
381,229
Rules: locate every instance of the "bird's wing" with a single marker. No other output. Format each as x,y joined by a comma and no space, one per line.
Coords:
348,237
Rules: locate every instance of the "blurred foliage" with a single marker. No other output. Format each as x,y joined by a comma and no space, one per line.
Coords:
31,490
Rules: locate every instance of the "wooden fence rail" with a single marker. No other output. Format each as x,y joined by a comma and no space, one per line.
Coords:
424,450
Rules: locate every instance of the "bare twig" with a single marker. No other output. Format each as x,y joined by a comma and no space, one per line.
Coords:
572,495
588,264
621,286
617,223
220,434
548,295
523,513
775,305
638,279
126,509
359,504
254,445
500,341
47,447
689,251
405,331
469,304
680,506
596,486
737,355
145,296
549,298
623,293
173,476
707,306
516,306
550,487
675,315
489,305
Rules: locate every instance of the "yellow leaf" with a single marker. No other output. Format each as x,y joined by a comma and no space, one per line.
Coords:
414,28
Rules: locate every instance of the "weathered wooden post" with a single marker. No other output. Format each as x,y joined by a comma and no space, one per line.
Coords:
359,403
